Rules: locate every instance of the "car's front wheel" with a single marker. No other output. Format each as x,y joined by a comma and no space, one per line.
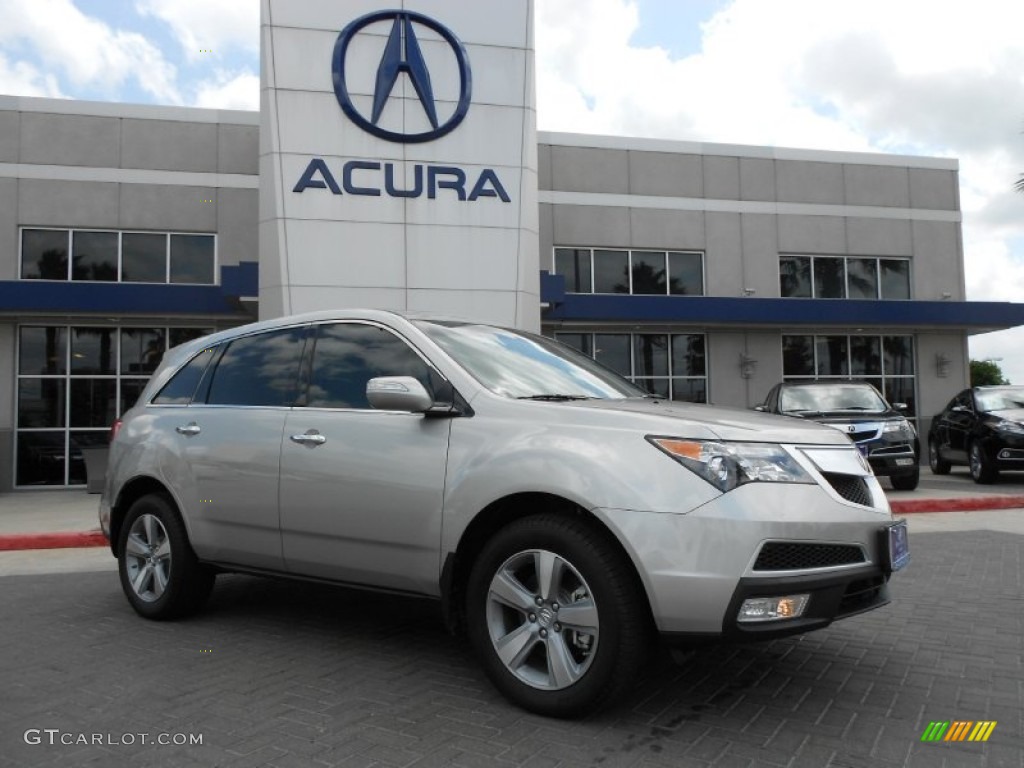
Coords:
159,572
983,470
939,465
557,616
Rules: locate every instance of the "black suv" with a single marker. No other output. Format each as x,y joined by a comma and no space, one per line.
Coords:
881,431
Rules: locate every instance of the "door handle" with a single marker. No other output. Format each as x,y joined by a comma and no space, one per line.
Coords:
189,429
312,438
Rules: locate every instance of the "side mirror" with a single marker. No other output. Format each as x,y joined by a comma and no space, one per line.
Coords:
960,409
900,406
760,408
398,393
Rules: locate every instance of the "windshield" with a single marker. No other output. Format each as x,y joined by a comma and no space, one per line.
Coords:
522,365
831,397
999,399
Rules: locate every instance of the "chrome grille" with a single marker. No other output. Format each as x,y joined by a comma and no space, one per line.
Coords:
850,487
798,556
863,434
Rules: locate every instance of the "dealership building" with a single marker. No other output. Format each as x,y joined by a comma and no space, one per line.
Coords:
395,163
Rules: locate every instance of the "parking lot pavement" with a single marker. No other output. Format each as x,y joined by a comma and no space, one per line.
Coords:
283,674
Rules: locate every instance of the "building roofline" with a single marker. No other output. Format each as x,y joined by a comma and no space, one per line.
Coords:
741,150
134,111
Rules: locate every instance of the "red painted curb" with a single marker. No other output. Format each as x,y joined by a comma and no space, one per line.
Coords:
54,540
972,504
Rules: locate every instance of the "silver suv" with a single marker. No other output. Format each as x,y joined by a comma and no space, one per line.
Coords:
560,515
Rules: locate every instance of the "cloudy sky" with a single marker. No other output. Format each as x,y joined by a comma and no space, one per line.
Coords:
917,77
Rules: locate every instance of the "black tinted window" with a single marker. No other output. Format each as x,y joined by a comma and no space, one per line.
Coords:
259,370
348,355
179,390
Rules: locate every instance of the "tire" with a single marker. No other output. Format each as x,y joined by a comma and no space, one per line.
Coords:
983,471
559,670
938,465
907,481
160,574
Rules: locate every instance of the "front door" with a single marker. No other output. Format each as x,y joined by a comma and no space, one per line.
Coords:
362,490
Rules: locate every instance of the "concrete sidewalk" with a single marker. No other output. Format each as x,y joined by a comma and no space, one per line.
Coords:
67,519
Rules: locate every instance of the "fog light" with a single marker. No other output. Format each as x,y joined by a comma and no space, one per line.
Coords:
773,608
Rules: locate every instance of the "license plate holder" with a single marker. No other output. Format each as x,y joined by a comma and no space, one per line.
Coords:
895,546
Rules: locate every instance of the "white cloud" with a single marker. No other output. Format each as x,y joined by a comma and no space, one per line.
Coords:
208,25
230,91
22,79
86,52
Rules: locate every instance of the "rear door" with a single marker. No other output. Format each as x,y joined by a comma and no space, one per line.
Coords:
956,426
362,490
229,439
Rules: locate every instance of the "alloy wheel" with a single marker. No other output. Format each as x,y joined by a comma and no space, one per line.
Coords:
147,555
542,619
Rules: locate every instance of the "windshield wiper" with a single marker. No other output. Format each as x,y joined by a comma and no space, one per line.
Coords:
554,398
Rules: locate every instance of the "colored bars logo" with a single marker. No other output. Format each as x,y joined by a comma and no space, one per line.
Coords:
959,730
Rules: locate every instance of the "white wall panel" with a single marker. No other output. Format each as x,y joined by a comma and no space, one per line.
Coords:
437,243
346,254
468,258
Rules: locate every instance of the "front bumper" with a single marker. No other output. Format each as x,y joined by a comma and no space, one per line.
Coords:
887,459
833,596
698,567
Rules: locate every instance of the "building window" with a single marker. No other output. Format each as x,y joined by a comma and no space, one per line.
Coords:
72,383
672,365
636,272
127,257
830,277
885,361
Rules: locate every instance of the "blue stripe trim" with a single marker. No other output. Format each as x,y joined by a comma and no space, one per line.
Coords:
737,311
114,298
241,280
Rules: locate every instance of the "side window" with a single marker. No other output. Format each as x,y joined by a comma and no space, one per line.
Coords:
179,390
347,355
262,369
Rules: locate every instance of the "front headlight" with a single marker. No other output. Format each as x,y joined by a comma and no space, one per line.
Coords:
1013,427
728,465
898,426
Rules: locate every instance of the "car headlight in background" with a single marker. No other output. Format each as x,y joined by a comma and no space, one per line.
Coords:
899,426
1012,427
728,465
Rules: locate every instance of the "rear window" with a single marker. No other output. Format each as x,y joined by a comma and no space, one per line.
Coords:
262,369
181,387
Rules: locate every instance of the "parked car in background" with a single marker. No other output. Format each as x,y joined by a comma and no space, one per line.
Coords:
561,516
881,431
981,427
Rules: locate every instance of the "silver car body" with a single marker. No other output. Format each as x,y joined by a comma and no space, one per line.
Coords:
385,498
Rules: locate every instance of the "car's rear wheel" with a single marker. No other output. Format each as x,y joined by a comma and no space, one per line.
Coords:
939,465
557,616
159,572
907,481
982,469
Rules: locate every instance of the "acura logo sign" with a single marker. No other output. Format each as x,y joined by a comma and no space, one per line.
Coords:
403,54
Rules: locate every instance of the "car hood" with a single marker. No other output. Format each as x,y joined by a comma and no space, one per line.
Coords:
1010,414
693,419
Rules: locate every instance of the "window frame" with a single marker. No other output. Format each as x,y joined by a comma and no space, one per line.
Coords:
665,253
877,260
70,232
634,376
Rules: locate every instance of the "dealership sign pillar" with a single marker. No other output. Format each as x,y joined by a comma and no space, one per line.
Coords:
398,158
